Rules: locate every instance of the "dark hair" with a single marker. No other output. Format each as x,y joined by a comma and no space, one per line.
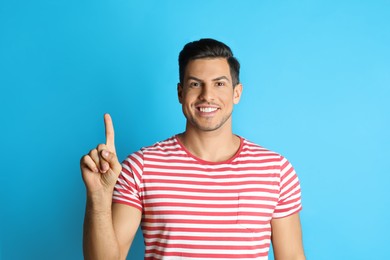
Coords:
208,48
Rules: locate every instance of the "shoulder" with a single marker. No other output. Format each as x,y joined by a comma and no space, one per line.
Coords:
169,144
254,151
164,147
249,147
157,150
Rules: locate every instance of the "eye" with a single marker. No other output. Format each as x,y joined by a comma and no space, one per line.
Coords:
194,84
220,84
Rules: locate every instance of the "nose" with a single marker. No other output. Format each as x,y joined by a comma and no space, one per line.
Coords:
207,93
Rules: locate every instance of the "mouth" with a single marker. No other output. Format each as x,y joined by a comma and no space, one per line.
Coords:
207,110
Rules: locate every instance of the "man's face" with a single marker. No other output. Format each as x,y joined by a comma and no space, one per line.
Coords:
207,94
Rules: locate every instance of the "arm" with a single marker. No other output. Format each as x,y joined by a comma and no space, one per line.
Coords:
108,234
124,229
287,238
99,238
107,231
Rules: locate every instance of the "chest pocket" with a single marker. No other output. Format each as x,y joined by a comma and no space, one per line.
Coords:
255,211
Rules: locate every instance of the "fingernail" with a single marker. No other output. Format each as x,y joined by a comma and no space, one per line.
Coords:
95,170
105,154
105,167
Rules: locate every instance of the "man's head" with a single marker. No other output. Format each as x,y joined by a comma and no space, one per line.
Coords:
209,85
208,48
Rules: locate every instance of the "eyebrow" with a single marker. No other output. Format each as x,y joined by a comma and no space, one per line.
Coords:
216,79
222,77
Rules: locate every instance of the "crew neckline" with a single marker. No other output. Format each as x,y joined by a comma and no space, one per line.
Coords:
209,162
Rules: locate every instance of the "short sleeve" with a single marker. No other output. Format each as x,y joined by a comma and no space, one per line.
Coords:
289,191
127,189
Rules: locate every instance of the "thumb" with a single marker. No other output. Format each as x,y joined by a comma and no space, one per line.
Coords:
112,160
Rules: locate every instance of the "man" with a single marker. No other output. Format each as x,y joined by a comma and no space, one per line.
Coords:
202,194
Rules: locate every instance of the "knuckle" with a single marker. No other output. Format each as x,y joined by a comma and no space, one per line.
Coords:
101,147
92,152
83,159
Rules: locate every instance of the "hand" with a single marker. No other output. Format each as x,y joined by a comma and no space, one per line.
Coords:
100,167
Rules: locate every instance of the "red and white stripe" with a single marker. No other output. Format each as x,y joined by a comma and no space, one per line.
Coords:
194,209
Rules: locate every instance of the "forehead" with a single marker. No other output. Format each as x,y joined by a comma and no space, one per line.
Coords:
208,68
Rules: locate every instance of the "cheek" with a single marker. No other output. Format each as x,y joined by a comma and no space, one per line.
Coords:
230,99
186,103
189,97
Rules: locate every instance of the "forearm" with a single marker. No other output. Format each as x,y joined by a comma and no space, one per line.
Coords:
99,239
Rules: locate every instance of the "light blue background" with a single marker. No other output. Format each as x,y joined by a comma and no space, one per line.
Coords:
316,78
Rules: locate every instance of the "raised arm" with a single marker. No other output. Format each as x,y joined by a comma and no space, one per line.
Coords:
287,238
108,232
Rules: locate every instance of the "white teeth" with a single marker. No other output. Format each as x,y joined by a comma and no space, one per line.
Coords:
207,109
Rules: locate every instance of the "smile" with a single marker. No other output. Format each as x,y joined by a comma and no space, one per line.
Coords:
207,109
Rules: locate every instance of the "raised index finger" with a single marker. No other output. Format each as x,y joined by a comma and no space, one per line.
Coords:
110,141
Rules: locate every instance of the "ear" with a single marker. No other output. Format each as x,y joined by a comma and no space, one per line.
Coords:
180,92
237,91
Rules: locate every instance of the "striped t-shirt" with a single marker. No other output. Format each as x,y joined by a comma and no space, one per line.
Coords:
194,209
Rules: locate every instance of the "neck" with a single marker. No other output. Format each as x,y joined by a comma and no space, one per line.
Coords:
212,146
